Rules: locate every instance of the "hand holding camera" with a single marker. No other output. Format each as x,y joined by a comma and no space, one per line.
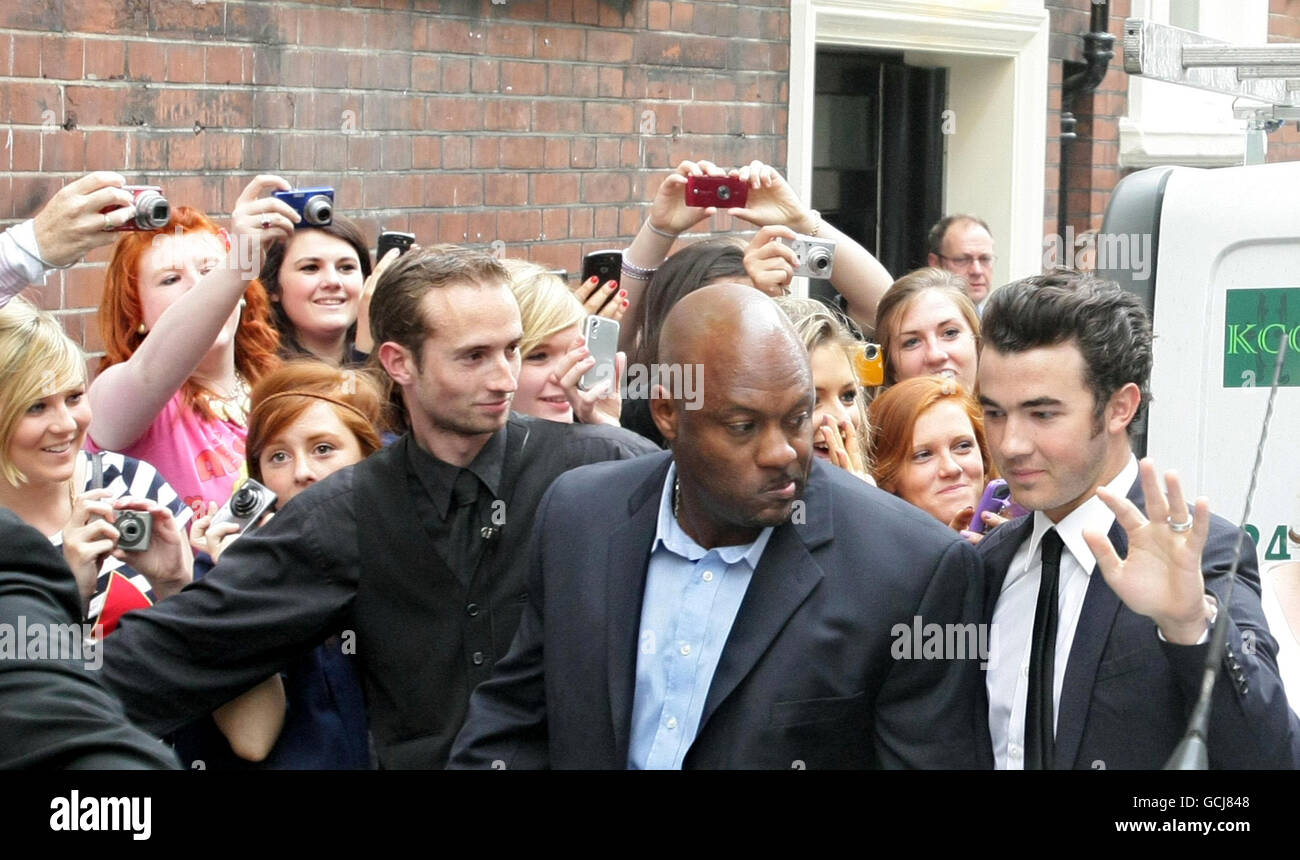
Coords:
245,506
770,263
773,201
263,219
81,216
601,402
204,537
670,212
150,210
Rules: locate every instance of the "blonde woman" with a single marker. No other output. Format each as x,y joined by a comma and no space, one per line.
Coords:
50,482
553,356
840,434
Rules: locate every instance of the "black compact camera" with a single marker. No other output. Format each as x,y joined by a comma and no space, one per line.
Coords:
315,205
134,530
246,506
152,211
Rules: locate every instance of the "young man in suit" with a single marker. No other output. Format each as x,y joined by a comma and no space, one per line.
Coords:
1102,615
737,604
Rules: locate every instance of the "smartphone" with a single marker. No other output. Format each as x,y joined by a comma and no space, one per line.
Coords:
390,239
722,192
605,265
601,337
997,499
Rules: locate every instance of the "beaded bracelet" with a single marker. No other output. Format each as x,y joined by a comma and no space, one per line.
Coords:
638,272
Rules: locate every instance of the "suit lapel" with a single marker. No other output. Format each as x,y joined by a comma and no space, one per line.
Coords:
1100,606
629,558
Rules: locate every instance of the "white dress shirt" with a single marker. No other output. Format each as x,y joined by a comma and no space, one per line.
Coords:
1013,617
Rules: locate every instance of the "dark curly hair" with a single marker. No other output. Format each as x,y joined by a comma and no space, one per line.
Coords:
1110,326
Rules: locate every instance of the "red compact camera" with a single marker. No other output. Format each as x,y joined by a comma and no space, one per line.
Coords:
723,192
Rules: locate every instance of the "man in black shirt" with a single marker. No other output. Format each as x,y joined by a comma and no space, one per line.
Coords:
416,555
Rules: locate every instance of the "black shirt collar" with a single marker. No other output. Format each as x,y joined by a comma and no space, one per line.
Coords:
437,477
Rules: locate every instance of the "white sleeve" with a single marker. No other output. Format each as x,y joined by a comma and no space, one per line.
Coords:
20,265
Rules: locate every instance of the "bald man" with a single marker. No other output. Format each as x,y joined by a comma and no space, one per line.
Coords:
734,603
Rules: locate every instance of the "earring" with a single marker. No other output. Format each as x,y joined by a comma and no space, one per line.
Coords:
142,328
242,304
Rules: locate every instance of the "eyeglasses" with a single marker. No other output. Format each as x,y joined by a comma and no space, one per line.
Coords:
964,262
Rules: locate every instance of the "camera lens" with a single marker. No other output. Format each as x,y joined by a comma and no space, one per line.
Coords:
153,212
129,528
243,502
318,210
871,351
724,192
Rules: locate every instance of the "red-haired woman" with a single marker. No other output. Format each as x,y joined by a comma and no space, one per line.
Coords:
929,449
173,384
308,420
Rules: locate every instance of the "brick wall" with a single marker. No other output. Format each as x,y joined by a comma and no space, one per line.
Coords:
1094,154
1284,26
543,123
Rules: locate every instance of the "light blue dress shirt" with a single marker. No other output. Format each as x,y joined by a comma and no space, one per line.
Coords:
691,599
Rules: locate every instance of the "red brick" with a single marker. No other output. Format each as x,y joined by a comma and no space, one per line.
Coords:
105,60
448,35
105,150
611,82
604,46
84,285
33,102
525,10
453,227
455,153
95,105
606,224
659,14
484,152
557,255
63,151
586,11
201,21
607,153
62,58
690,51
523,79
483,76
389,32
26,56
453,189
605,188
328,68
612,15
683,15
426,151
226,64
146,61
582,152
560,43
559,79
481,227
505,189
522,151
363,152
580,222
448,114
586,80
551,188
185,64
555,224
609,118
260,22
559,10
397,152
507,115
148,151
631,155
509,40
708,119
556,152
96,16
426,73
331,152
557,115
519,225
455,76
327,27
30,193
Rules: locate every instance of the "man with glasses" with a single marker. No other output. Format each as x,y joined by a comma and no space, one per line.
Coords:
963,245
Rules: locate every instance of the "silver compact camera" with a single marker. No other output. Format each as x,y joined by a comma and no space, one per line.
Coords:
134,529
814,258
245,506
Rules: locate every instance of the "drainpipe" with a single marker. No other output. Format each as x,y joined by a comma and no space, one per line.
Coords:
1098,50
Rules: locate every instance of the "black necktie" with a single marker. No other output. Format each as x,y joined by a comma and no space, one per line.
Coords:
463,541
1040,735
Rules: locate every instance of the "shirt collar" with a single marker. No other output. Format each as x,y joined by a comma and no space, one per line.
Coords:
674,539
437,476
1092,515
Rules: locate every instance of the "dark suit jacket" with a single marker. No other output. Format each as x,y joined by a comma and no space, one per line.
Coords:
1127,695
806,679
55,713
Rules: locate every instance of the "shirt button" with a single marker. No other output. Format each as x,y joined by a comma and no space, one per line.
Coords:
472,610
686,649
672,723
1014,751
477,657
708,576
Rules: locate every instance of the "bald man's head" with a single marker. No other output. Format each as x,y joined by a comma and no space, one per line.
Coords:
742,456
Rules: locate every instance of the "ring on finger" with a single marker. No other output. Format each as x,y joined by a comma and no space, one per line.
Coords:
108,224
266,222
1184,526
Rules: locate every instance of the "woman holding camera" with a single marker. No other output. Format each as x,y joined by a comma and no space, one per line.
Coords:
308,420
50,482
929,449
187,331
315,281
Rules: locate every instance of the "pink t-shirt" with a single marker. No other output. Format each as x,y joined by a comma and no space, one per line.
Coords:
202,459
